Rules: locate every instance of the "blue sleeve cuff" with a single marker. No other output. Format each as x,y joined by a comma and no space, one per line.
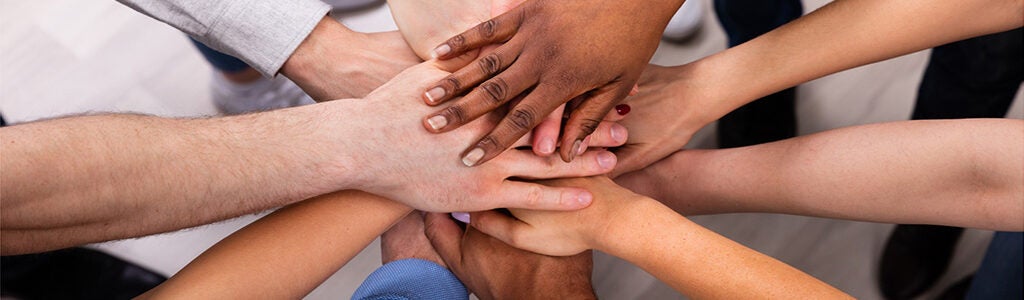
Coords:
411,279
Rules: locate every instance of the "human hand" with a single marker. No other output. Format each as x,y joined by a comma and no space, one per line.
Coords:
599,57
663,119
406,239
417,20
492,269
563,233
427,177
335,62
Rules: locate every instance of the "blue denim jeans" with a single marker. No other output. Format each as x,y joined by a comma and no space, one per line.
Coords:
1002,272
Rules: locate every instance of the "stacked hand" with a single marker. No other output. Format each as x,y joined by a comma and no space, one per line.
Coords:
591,55
420,170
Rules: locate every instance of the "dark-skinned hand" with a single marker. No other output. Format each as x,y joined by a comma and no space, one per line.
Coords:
551,53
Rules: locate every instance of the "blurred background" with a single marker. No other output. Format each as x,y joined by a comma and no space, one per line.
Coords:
71,57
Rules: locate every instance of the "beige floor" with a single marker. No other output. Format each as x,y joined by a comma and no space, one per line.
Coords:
67,57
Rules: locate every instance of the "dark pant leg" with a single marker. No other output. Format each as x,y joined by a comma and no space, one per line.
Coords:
973,78
220,61
773,117
1002,272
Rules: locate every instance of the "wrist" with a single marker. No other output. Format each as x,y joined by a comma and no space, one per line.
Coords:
322,52
629,230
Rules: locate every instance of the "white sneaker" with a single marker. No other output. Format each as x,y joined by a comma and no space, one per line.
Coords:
686,22
232,98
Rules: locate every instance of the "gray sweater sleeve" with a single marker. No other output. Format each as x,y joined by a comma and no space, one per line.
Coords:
263,33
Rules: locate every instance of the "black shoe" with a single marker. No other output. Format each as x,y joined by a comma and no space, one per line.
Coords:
957,291
75,273
914,258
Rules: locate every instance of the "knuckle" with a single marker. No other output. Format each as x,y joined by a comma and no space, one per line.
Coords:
496,90
488,29
452,83
456,113
522,118
491,143
490,64
457,42
589,125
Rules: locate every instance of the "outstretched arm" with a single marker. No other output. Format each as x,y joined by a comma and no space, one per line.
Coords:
288,253
947,172
87,179
841,35
688,257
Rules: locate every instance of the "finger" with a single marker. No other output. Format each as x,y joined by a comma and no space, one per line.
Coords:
521,119
445,236
523,164
608,134
498,225
546,133
526,195
467,77
635,90
496,30
489,96
585,119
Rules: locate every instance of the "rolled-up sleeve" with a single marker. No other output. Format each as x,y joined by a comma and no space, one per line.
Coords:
411,279
261,33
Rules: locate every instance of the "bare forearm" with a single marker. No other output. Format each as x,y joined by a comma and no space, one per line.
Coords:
702,264
951,172
95,178
843,35
288,253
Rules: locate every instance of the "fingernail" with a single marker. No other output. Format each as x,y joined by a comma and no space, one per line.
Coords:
461,216
606,160
441,50
575,149
473,157
619,133
547,146
623,109
584,198
435,94
437,122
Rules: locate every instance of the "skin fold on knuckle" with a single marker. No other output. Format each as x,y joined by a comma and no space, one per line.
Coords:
456,114
495,90
452,84
522,118
490,64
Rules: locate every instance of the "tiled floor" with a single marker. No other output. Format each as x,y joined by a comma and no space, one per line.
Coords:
69,57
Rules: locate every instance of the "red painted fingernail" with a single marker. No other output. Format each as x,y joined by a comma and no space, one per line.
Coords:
622,109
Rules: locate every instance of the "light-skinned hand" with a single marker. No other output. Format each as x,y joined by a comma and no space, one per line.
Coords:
408,164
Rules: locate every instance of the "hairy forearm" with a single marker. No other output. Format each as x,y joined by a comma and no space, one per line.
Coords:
87,179
839,36
702,264
951,172
288,253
